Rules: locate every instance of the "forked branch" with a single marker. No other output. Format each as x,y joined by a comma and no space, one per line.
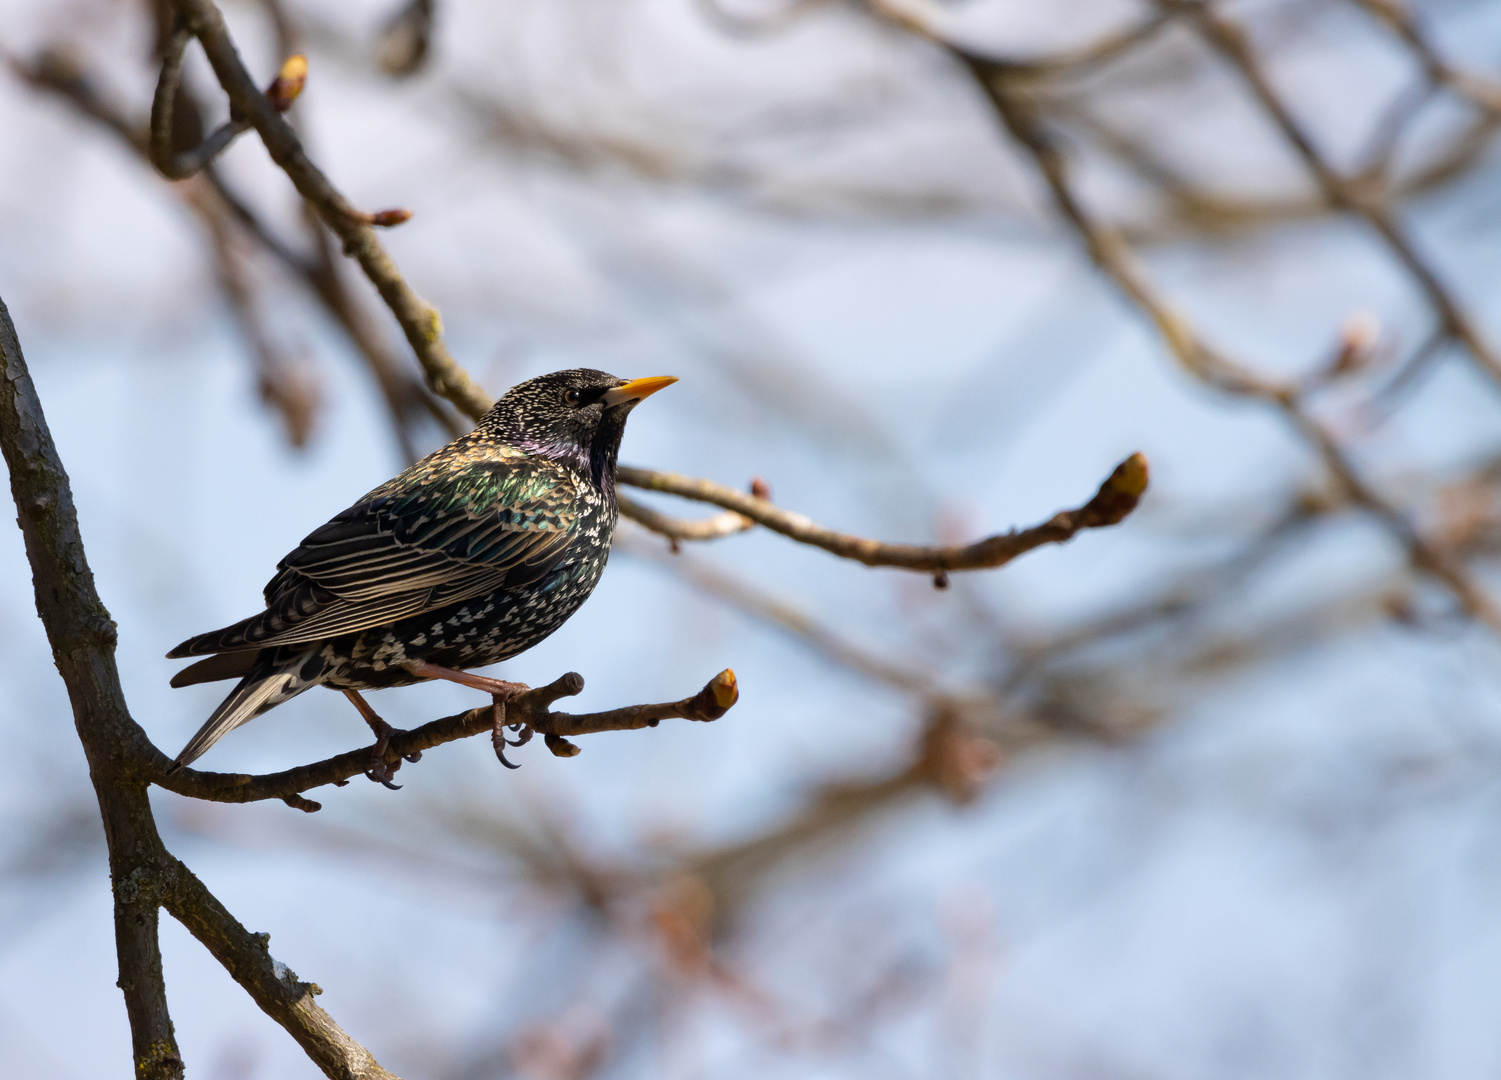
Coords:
180,165
356,229
144,875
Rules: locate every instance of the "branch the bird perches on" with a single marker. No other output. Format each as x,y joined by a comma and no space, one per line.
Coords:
530,710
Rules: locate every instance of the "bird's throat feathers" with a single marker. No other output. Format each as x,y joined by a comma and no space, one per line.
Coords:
596,459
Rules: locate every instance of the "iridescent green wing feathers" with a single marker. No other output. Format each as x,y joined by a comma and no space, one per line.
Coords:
441,533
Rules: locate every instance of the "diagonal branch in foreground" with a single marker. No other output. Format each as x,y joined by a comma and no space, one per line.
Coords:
271,984
143,873
82,637
1115,499
531,710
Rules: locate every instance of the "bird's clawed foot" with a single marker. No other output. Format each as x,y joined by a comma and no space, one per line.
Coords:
523,731
381,770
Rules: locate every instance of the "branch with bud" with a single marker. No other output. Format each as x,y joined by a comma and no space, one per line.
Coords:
175,165
1115,499
530,712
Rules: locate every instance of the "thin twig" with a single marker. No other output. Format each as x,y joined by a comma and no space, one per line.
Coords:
1020,118
1116,498
822,639
419,321
1484,94
1086,58
180,166
727,523
287,387
58,70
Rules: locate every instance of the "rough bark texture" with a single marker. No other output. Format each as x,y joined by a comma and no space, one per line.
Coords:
82,636
121,761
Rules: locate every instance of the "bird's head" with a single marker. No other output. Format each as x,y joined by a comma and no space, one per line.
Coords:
576,416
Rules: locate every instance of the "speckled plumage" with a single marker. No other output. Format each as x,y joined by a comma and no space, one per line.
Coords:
471,556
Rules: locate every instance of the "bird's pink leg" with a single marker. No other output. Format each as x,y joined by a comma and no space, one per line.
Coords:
464,678
500,692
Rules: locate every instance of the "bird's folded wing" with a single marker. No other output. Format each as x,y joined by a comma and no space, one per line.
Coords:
410,548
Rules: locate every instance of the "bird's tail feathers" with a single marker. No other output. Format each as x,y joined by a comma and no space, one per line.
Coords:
255,693
229,665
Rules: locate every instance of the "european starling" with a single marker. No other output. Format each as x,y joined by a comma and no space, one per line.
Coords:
473,555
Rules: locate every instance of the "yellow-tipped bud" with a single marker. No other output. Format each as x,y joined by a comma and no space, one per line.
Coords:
725,689
1130,476
288,83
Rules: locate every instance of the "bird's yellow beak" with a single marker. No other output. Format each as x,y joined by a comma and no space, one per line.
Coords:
636,389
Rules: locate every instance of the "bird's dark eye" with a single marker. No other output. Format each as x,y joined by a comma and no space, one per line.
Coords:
572,397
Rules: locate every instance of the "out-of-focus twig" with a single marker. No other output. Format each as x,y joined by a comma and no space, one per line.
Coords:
755,602
59,71
783,18
1483,93
290,390
407,400
406,38
727,523
1229,38
1020,117
1086,58
419,321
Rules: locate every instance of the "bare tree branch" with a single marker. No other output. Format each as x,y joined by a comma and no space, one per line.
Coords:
82,636
180,166
531,710
273,986
121,761
1021,119
1116,498
419,321
1231,41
